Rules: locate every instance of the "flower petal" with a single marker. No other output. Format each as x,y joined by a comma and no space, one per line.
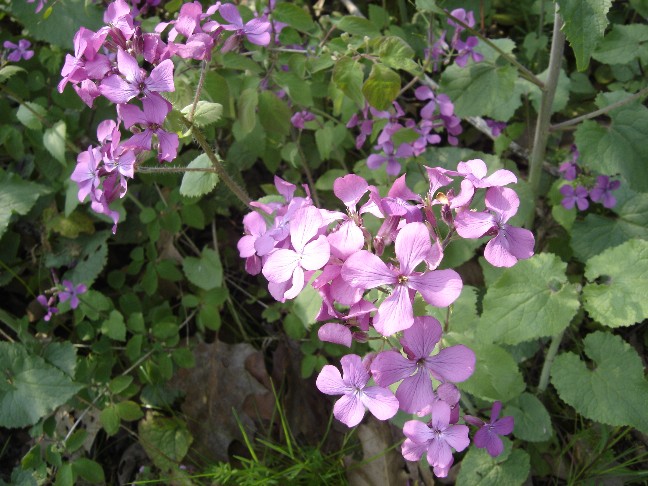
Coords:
329,381
349,410
415,392
381,402
332,332
367,271
280,265
412,246
395,313
420,339
455,364
388,367
438,287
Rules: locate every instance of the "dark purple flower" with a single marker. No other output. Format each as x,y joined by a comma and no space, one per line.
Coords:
573,197
299,119
466,50
71,293
568,170
48,305
602,191
496,127
18,51
488,434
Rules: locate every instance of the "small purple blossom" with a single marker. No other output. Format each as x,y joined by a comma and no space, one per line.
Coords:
72,293
300,118
601,192
568,170
48,305
19,51
488,434
574,197
356,395
496,127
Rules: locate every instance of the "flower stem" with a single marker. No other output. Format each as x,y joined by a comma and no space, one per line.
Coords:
549,359
544,116
232,185
201,82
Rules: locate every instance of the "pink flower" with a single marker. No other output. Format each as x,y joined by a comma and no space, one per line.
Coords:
257,30
452,364
86,172
367,271
437,439
71,293
356,395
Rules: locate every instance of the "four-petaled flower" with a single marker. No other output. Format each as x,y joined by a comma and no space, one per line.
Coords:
19,51
356,395
71,293
601,192
488,434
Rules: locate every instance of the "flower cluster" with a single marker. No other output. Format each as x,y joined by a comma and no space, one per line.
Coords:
69,292
584,188
442,52
435,116
292,242
19,51
110,63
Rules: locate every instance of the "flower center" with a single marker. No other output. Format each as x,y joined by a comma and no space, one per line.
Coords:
402,279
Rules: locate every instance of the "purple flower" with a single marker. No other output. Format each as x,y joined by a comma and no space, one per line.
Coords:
510,244
601,191
453,364
257,30
18,51
356,395
466,50
568,170
39,7
135,81
367,271
496,127
71,293
437,438
299,119
488,434
86,173
47,304
573,197
155,111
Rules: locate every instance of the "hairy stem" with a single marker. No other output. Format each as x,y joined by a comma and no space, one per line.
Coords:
231,184
544,116
549,359
201,82
602,111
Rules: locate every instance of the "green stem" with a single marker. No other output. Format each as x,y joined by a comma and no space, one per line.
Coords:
602,111
549,359
520,67
201,82
165,170
232,185
544,116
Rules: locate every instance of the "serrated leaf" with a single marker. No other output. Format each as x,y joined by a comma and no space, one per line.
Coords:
482,89
358,26
165,440
8,71
62,355
206,272
31,387
381,87
597,233
16,196
619,147
92,260
478,468
614,391
298,89
532,421
395,53
620,299
496,375
54,141
30,115
347,76
293,15
622,44
530,300
585,23
562,91
247,105
198,183
206,113
89,470
274,115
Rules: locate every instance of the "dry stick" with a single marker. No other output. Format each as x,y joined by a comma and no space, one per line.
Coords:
538,154
602,111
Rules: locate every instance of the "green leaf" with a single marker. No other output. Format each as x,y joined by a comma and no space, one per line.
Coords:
623,44
129,411
530,300
496,375
16,196
64,476
532,421
89,470
297,17
109,419
206,113
478,468
54,141
274,115
585,23
307,305
395,53
381,87
298,89
30,114
613,391
62,355
358,26
562,91
195,183
66,16
206,272
482,89
31,388
165,440
618,147
619,299
114,327
247,105
347,76
8,71
597,233
120,383
324,141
